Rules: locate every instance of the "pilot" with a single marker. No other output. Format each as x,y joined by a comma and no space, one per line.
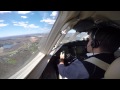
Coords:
104,40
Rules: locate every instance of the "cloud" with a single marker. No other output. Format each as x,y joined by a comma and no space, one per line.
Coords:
24,17
54,13
25,25
45,28
3,25
32,26
23,12
48,20
1,20
2,12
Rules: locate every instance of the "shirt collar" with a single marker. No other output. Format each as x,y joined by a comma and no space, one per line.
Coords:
90,54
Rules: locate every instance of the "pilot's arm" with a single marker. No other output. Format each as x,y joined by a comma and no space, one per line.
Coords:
75,70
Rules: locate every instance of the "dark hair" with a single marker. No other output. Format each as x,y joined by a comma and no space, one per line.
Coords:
107,34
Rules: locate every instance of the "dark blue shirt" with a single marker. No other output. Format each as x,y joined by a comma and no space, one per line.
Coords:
84,70
74,71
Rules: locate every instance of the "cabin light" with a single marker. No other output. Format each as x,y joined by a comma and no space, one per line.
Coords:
63,32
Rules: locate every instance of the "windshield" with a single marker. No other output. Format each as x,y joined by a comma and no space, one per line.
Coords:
22,36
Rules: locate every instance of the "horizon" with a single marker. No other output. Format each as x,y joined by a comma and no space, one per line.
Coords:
15,23
28,35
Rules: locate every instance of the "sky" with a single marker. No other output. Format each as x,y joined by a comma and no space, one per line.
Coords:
14,23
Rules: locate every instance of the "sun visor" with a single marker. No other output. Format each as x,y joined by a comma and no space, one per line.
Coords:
84,25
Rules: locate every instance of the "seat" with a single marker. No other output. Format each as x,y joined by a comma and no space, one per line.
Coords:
117,53
113,71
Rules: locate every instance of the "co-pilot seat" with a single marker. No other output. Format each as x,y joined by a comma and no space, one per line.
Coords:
113,71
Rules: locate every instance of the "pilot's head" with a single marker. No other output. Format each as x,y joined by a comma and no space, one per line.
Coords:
104,37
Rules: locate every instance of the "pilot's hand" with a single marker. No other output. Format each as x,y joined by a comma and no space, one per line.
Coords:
62,55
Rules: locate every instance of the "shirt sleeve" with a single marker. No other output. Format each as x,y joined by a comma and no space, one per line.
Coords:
75,70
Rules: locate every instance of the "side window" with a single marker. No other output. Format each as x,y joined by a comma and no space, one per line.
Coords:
22,36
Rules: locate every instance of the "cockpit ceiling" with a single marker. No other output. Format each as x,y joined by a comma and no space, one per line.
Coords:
113,15
83,24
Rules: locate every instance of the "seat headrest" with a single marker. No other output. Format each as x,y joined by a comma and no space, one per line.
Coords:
113,71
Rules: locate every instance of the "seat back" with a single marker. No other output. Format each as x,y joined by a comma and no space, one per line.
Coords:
113,71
